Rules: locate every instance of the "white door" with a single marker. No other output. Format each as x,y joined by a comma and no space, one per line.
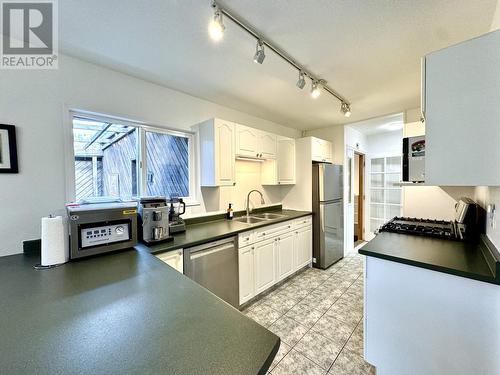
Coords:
264,265
286,161
248,141
173,258
349,201
285,251
303,246
269,145
225,153
246,273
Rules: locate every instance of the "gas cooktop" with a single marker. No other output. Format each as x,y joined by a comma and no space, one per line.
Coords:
422,227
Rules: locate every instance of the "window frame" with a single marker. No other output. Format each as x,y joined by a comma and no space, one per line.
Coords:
141,163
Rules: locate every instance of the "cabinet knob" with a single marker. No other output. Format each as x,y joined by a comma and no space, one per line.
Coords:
296,232
264,233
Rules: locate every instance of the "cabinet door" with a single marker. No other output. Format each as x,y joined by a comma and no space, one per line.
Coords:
269,145
248,141
224,134
327,151
285,255
462,113
303,247
246,273
174,259
286,161
317,149
264,265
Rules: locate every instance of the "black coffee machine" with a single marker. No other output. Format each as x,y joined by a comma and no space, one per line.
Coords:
177,208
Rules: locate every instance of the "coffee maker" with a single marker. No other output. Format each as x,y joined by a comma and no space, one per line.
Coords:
153,220
177,208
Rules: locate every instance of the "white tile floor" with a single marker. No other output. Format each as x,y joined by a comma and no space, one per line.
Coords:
318,316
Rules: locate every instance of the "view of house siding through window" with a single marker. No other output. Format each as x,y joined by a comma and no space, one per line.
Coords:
107,159
167,165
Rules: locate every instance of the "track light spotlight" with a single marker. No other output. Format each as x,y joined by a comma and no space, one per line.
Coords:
302,81
346,109
259,52
216,26
315,90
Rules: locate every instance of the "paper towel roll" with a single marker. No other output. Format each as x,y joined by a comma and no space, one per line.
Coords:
54,241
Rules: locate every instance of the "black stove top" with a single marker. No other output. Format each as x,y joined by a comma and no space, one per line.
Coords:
422,227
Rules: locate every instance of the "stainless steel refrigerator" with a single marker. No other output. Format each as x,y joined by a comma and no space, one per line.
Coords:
328,218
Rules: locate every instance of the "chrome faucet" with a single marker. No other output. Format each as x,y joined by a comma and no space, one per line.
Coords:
248,200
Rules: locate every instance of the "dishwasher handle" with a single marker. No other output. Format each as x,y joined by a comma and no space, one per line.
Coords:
210,250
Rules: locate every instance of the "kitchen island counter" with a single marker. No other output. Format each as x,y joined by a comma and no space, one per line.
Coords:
478,261
121,313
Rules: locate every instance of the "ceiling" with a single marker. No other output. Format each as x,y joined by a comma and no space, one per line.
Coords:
368,51
383,124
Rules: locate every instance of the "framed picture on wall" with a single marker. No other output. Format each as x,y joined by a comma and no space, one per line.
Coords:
8,149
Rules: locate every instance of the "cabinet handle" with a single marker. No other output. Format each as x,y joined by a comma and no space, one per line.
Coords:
264,233
234,183
253,248
296,232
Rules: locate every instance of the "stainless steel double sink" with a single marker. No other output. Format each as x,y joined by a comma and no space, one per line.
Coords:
258,218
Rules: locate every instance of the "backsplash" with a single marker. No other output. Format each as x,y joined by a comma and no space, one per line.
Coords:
247,177
490,195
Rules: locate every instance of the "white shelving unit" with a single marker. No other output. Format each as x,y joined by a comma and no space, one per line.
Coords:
385,192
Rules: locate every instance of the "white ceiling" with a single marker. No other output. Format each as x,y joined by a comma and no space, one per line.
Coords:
379,125
369,51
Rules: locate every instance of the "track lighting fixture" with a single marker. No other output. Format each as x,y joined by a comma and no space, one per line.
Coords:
315,90
216,26
346,109
302,81
259,52
216,31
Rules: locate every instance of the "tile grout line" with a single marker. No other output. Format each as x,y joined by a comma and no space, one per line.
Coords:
309,329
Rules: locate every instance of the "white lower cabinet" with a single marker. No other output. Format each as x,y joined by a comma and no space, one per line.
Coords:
303,246
173,258
246,273
271,254
264,265
285,255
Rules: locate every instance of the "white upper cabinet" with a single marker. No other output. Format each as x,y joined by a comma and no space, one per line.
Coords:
280,171
322,150
269,145
255,144
286,161
217,152
248,142
461,104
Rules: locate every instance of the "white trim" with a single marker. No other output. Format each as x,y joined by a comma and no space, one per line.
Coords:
142,127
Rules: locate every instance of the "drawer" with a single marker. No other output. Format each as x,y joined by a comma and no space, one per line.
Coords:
273,230
246,238
303,221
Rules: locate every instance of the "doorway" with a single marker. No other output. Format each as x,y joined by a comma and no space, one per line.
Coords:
359,197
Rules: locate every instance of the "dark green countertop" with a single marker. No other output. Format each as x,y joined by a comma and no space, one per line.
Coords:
122,313
453,257
213,230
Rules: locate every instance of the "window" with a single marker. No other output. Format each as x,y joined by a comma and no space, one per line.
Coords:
109,163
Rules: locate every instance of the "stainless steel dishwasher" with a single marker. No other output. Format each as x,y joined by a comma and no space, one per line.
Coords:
214,266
